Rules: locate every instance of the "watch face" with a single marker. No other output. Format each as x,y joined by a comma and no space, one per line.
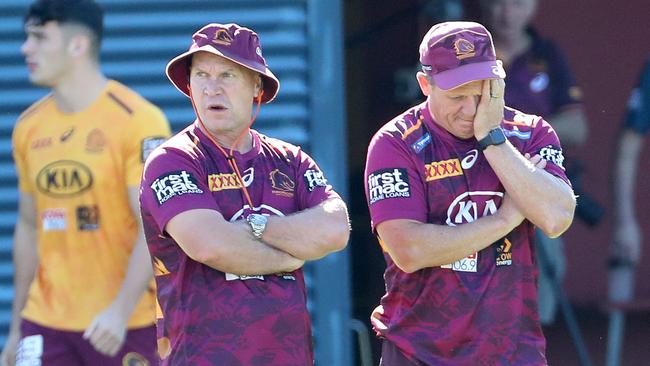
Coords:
258,224
258,219
498,136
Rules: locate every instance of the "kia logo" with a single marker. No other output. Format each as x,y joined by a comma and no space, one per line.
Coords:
64,178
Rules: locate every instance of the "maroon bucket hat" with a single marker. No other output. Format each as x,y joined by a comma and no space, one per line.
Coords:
231,41
456,53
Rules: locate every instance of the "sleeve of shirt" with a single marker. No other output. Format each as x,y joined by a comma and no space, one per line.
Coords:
393,184
544,141
312,186
565,90
637,117
173,182
148,129
18,141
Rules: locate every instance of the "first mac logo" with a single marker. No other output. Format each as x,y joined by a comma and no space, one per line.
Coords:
64,178
388,183
173,184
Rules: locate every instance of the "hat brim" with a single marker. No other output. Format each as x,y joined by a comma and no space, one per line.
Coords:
177,71
462,75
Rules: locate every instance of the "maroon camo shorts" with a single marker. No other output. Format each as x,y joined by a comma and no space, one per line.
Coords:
392,356
50,347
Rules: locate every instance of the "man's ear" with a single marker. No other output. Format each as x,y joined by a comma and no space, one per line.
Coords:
79,45
424,82
258,86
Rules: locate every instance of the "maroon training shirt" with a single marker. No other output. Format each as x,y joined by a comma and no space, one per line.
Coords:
213,318
480,310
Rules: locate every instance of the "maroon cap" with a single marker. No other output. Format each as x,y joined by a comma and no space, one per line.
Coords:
231,41
456,53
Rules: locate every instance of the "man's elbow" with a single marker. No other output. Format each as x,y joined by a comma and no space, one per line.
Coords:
204,256
558,223
406,263
338,231
210,255
341,235
336,238
405,256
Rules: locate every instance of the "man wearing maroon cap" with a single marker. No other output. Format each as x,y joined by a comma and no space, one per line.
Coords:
231,216
455,187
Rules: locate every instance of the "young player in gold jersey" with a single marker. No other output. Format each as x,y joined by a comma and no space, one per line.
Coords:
82,269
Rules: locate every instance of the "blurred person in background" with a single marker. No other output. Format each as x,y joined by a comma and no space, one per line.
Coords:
540,82
626,244
627,239
83,277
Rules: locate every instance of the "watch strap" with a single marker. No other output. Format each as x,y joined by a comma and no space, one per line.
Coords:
494,137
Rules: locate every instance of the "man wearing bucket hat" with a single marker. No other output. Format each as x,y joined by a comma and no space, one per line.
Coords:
231,216
455,187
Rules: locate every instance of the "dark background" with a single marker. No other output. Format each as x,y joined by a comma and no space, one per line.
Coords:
606,43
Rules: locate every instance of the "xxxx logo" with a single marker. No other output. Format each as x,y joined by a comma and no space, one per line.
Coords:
219,182
443,169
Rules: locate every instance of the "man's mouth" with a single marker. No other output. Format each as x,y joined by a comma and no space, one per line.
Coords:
216,107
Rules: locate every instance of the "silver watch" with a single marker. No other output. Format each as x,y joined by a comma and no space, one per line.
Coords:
258,224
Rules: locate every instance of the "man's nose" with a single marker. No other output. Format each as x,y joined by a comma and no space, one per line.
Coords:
212,87
26,47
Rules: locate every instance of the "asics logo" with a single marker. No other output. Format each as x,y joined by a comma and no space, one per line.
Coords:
498,70
469,160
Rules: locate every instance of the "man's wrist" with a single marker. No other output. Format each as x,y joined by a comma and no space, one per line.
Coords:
482,132
257,223
495,136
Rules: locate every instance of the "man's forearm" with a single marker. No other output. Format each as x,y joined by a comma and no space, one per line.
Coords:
543,198
138,276
627,160
25,263
312,233
229,247
139,271
415,245
245,255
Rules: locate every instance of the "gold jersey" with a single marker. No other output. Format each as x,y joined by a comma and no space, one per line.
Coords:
78,167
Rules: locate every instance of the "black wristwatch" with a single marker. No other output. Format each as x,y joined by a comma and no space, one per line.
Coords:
494,137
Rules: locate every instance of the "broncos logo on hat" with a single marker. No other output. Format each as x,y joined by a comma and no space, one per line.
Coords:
464,48
222,37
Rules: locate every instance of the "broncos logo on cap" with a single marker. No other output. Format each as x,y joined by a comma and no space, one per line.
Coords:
464,48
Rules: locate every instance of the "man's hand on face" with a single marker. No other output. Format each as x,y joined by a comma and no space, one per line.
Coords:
489,112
